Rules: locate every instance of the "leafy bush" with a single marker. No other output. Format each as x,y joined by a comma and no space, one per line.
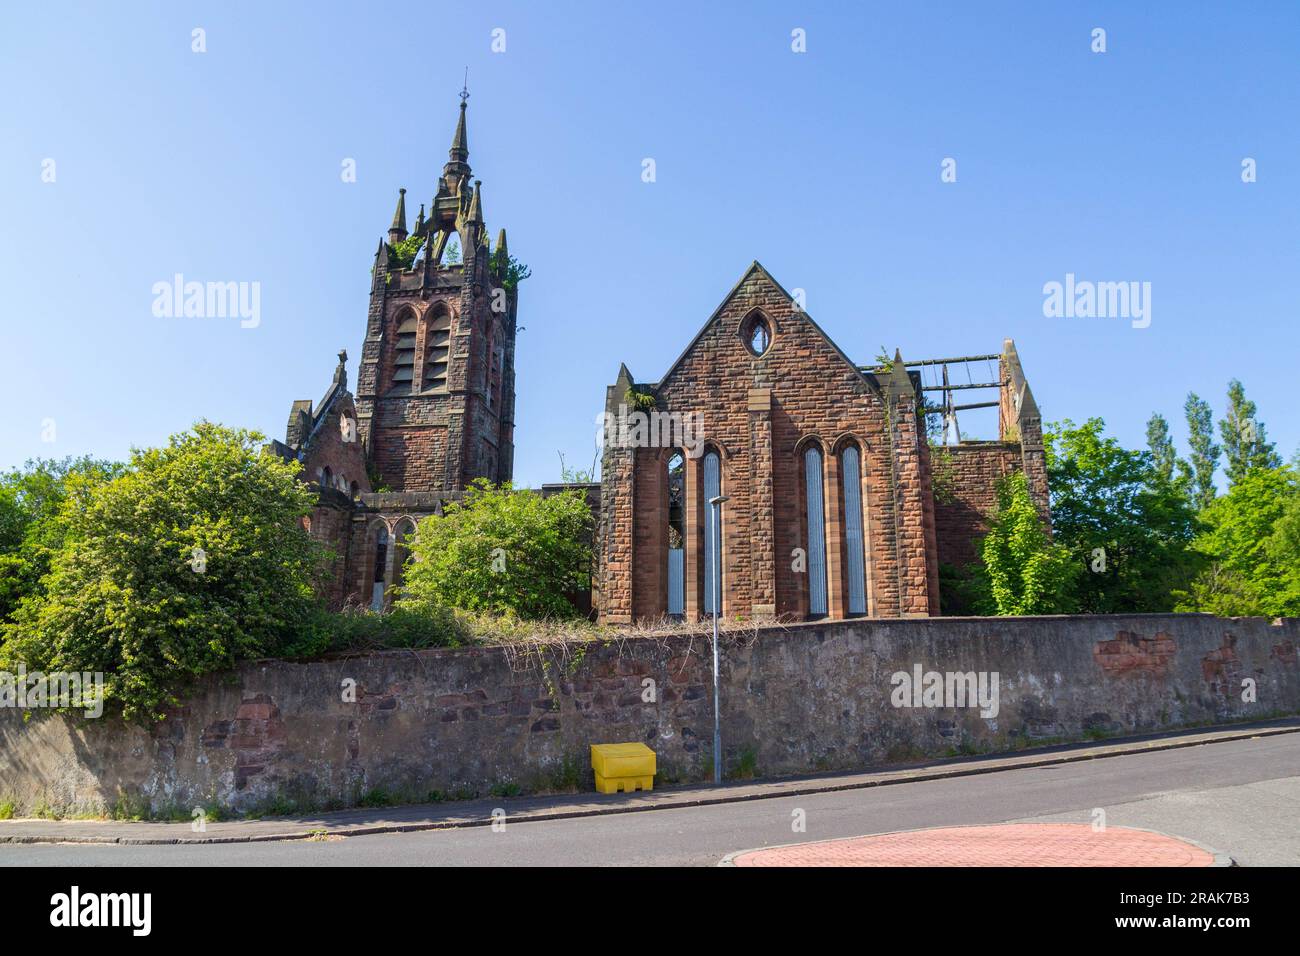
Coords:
510,269
414,625
401,255
127,593
1028,574
964,591
1106,497
1251,543
503,551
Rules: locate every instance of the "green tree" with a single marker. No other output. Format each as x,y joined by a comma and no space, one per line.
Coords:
1123,519
1249,543
502,551
193,559
1283,551
1205,453
1245,443
1027,573
1161,446
31,525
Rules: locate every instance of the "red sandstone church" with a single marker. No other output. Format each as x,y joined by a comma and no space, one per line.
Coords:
832,508
837,502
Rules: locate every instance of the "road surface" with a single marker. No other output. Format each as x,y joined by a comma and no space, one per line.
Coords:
1241,798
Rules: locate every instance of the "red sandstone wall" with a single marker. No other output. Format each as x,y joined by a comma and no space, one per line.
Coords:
966,480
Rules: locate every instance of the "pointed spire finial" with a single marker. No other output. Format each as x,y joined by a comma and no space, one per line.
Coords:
398,228
476,203
341,373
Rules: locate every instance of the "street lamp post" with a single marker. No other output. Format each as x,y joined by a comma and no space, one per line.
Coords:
716,544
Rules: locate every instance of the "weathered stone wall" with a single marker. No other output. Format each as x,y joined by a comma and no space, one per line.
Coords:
810,697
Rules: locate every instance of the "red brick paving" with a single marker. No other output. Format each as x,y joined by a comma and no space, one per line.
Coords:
1012,844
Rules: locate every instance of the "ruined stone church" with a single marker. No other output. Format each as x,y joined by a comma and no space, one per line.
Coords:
806,486
435,395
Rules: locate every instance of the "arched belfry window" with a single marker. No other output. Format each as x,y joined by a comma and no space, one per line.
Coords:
854,540
812,471
437,345
712,560
676,535
404,353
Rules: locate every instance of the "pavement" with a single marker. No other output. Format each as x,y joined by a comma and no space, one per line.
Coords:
479,814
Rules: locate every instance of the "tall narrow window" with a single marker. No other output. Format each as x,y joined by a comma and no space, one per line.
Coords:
436,347
401,550
712,562
404,354
854,543
676,535
381,566
812,471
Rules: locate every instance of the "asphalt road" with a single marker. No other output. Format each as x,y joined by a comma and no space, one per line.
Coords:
1241,798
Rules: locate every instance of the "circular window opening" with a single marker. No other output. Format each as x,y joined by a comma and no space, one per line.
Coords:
758,335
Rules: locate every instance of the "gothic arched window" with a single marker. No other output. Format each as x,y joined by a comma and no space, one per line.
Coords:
381,569
402,550
676,535
437,345
854,540
757,334
404,353
712,534
812,473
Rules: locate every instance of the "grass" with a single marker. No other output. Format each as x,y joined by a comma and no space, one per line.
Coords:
362,630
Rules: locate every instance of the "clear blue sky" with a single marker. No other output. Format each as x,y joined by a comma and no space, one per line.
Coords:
824,166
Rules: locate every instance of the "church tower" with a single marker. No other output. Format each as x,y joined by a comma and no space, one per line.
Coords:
436,386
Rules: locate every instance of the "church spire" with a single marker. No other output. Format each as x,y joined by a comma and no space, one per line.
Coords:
459,151
397,231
